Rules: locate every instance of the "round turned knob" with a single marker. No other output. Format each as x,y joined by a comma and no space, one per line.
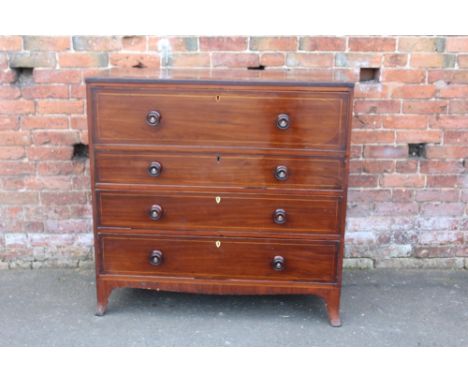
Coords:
278,263
153,118
154,169
156,257
281,172
156,212
282,121
279,216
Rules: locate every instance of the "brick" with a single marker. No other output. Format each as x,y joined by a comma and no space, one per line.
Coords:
378,166
454,91
9,92
7,76
405,122
134,43
432,60
372,44
358,263
18,198
381,223
377,107
356,151
457,44
176,44
32,60
441,167
395,60
16,168
440,237
372,136
273,43
48,183
12,152
364,60
459,106
49,153
68,226
79,122
346,74
443,181
436,195
135,60
234,60
412,136
309,60
78,91
406,166
451,76
414,91
456,137
412,263
450,122
66,76
402,195
60,168
96,43
364,121
190,60
272,59
19,106
367,181
322,43
63,198
462,60
83,60
403,180
442,209
447,152
10,43
387,151
3,61
44,91
402,75
60,107
55,137
371,90
212,43
425,107
47,43
369,195
41,122
396,209
432,251
421,44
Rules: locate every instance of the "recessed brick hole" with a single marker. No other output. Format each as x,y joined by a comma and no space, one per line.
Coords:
140,65
258,67
80,151
24,76
369,74
417,150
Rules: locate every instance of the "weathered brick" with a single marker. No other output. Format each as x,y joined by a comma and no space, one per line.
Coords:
135,60
60,107
272,59
415,263
425,107
212,43
309,60
134,43
432,60
405,122
54,137
396,209
367,181
97,43
378,166
443,181
273,43
46,168
65,76
421,44
450,122
442,209
234,60
9,92
16,168
190,60
47,43
407,166
447,152
83,60
369,195
371,90
403,180
364,60
449,76
457,44
372,44
386,151
31,122
414,91
455,137
395,60
49,153
442,167
402,195
322,43
32,60
454,91
12,152
18,198
403,75
372,136
63,198
358,263
411,136
10,43
45,91
175,43
377,107
459,106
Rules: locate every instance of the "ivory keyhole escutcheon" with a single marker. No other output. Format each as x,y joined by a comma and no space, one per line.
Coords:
218,244
218,199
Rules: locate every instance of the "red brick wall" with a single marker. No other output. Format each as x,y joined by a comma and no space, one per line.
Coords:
408,212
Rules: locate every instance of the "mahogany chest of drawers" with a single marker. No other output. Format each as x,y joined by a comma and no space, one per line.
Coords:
219,182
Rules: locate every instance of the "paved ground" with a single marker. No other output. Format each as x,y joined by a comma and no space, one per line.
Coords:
379,308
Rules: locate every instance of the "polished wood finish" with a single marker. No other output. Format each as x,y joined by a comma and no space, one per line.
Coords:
223,182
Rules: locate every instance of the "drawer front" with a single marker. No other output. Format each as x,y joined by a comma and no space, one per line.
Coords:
219,170
226,258
227,212
222,118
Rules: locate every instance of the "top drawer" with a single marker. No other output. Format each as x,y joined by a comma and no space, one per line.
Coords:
316,120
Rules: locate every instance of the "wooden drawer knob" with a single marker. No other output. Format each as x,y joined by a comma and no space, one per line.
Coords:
279,216
154,169
156,257
153,118
278,263
282,121
156,212
281,172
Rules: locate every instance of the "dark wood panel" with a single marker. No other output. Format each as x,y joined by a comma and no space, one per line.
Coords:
224,258
224,118
231,212
219,169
